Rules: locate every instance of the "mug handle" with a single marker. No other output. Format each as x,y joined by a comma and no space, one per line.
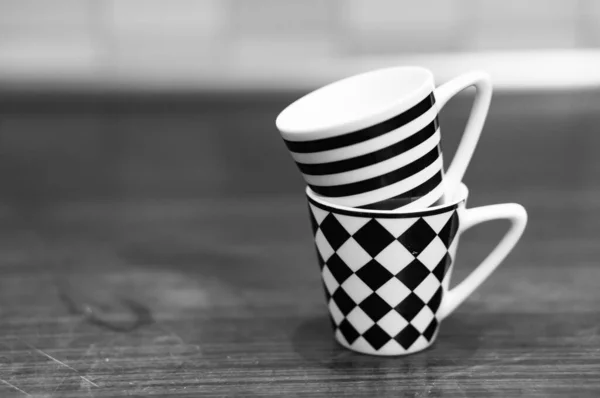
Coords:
513,212
468,142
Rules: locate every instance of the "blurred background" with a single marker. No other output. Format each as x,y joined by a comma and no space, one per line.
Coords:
235,44
139,160
154,99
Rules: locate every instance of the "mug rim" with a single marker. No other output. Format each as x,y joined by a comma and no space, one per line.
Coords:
460,197
291,133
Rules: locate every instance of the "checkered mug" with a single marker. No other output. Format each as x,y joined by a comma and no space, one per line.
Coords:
386,274
373,140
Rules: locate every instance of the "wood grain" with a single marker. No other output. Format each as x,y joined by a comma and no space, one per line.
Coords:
162,247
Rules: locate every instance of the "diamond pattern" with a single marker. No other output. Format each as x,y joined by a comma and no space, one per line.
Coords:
348,331
393,292
335,313
331,284
440,270
374,275
318,213
427,288
392,322
449,231
413,274
361,344
420,343
343,301
423,319
353,254
333,230
430,331
436,300
394,257
417,237
407,336
339,270
356,288
433,253
375,306
410,306
391,347
360,320
397,226
376,337
325,249
373,237
438,221
383,277
351,224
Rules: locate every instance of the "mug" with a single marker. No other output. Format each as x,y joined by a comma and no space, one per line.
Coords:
386,274
372,140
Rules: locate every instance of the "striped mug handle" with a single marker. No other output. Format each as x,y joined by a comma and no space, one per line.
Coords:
468,142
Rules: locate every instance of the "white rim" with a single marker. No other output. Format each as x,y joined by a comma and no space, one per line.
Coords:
461,195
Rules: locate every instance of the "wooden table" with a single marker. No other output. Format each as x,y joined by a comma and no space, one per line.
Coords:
161,245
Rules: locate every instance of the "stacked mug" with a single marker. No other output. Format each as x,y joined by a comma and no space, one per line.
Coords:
386,216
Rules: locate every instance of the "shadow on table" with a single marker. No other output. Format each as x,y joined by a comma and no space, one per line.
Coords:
458,341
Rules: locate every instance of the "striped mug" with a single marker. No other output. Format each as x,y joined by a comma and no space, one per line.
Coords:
372,140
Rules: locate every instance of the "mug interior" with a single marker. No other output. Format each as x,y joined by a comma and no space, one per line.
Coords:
351,101
460,196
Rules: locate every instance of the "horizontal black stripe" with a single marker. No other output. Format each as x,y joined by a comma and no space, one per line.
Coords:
369,159
371,184
369,214
365,134
409,196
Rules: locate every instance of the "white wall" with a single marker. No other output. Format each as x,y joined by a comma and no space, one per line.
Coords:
233,43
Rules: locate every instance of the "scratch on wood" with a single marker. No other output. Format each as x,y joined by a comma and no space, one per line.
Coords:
60,384
15,387
60,363
470,370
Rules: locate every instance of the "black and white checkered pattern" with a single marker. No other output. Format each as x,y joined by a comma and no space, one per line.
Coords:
383,277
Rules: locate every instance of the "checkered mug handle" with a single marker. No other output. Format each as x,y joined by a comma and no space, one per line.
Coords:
483,96
513,212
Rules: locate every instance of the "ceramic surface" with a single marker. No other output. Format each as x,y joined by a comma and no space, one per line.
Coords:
386,274
373,140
